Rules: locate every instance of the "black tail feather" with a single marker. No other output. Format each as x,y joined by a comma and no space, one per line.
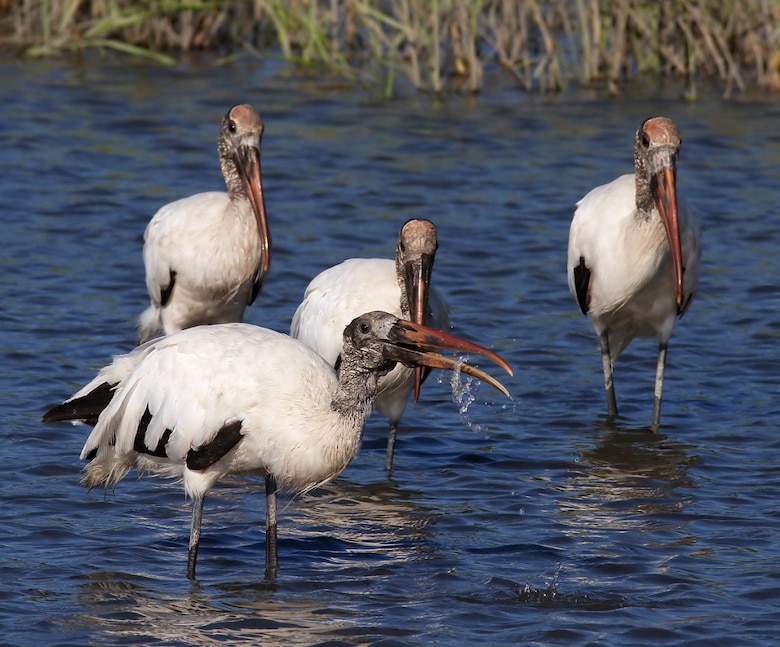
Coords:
87,408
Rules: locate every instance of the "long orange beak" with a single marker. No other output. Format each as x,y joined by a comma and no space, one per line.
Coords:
415,345
664,188
417,277
248,163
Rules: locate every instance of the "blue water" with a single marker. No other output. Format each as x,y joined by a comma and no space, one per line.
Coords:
522,522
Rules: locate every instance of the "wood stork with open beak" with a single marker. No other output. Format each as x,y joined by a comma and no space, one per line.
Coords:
401,286
207,256
634,254
234,398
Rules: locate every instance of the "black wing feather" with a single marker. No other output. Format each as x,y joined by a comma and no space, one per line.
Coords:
257,284
166,290
87,408
224,441
582,285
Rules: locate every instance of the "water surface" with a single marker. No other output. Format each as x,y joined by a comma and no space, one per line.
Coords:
528,521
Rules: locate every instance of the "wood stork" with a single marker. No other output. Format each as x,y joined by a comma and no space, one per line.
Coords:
634,254
401,286
234,398
206,256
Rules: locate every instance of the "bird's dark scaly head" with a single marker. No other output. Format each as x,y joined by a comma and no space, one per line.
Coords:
415,253
381,339
657,147
239,142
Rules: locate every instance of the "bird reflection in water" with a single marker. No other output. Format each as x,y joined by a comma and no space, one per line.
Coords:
625,477
145,612
365,528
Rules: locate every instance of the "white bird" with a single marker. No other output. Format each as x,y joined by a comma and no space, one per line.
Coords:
634,255
401,286
234,398
206,256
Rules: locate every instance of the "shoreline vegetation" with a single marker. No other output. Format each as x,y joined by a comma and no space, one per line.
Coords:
433,45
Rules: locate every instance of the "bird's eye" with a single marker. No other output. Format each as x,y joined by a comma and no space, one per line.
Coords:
232,126
401,245
645,140
365,327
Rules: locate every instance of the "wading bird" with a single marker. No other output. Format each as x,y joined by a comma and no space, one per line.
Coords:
234,398
401,286
206,256
634,255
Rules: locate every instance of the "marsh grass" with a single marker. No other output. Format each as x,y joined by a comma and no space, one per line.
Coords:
433,45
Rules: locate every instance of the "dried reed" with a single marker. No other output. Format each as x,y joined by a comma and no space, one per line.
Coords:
434,45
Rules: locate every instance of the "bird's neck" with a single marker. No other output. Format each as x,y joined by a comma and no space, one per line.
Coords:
356,392
646,230
230,172
399,274
644,198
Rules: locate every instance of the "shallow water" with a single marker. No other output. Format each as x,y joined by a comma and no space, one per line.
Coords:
528,521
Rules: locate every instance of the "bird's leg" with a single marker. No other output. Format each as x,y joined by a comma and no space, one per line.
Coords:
659,385
606,361
197,517
391,445
271,554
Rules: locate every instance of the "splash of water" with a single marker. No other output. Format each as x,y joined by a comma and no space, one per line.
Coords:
463,388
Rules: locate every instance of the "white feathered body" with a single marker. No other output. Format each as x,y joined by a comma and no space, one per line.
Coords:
196,381
212,244
339,294
632,284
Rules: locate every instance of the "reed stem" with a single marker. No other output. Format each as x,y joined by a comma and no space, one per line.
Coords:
432,45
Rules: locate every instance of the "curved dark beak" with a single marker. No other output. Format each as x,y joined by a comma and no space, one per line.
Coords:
415,345
417,276
248,164
663,186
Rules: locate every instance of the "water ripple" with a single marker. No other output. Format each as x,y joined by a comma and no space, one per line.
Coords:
523,521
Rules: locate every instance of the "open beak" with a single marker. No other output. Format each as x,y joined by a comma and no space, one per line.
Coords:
248,164
664,189
415,345
417,276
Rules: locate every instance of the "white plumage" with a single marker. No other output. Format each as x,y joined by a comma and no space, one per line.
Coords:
234,398
634,256
401,286
207,255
